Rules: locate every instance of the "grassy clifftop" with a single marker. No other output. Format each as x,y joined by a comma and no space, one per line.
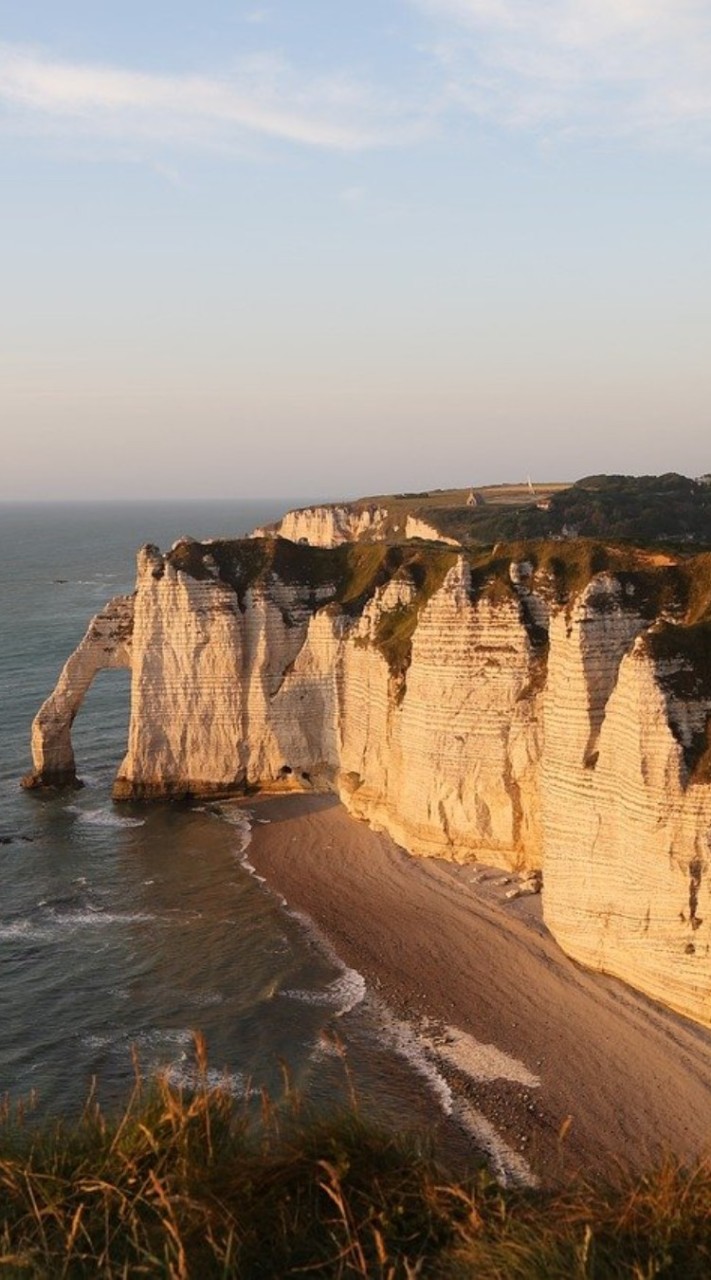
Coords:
640,509
672,583
671,588
184,1186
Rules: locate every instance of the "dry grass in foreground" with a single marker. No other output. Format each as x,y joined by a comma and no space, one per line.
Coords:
181,1186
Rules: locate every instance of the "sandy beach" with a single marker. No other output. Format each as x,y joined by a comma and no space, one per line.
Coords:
532,1044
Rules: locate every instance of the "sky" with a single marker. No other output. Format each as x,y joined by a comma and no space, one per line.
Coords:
328,248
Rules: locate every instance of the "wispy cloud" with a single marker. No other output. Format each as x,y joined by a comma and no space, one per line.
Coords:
260,96
636,68
257,16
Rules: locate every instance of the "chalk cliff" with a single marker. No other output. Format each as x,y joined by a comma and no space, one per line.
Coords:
415,527
107,644
330,525
545,707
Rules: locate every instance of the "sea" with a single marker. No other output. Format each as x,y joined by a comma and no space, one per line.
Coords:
127,930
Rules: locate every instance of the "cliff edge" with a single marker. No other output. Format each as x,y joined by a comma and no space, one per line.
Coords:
542,705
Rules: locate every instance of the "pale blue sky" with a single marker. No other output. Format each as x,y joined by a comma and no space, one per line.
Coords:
345,246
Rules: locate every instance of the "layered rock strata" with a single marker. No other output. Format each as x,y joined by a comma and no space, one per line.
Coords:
106,644
540,714
329,526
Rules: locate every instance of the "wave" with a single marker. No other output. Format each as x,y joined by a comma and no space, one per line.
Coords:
401,1038
236,817
170,1037
94,916
252,871
349,989
95,580
101,1039
509,1167
152,1038
203,999
181,1075
104,817
21,929
344,993
50,923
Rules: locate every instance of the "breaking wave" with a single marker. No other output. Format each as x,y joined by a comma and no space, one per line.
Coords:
344,993
104,817
417,1050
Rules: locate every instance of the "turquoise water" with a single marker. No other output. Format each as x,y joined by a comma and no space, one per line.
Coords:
128,929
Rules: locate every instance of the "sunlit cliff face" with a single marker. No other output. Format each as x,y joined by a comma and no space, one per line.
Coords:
473,709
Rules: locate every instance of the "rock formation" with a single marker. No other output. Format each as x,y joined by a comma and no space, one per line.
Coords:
107,644
551,712
418,528
330,525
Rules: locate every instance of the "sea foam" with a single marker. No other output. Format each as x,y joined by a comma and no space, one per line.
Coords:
181,1075
104,817
343,994
480,1062
417,1050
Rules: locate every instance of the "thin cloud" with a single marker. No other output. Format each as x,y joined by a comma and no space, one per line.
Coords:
262,96
635,68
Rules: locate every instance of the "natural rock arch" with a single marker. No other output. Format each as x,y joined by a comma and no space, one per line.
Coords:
106,644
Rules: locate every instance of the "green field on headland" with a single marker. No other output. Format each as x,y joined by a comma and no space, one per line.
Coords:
641,509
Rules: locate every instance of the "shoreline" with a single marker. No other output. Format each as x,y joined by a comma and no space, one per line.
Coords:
528,1043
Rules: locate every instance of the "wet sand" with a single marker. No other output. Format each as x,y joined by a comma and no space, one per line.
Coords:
625,1079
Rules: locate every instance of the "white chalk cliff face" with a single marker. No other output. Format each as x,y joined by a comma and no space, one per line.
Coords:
470,713
329,526
417,528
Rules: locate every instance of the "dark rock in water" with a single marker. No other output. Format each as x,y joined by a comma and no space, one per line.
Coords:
52,781
17,839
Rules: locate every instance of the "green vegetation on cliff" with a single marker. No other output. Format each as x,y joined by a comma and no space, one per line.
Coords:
186,1187
641,509
345,577
676,583
669,588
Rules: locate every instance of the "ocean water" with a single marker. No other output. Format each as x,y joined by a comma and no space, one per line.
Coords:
124,930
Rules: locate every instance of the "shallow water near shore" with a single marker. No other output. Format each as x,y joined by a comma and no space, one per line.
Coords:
119,927
126,929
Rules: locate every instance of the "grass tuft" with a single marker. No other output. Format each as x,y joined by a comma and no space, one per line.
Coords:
184,1185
